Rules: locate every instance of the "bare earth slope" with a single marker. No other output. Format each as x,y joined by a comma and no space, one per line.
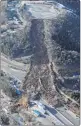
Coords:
45,36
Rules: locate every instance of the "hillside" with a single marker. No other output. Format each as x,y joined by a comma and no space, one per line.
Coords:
45,37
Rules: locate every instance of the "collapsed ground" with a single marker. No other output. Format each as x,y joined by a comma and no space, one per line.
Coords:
52,50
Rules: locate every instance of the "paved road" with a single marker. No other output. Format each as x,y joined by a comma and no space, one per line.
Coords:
56,114
69,115
14,68
65,116
18,71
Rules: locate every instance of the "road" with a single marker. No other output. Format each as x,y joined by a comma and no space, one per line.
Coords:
71,116
56,116
15,69
59,118
68,97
